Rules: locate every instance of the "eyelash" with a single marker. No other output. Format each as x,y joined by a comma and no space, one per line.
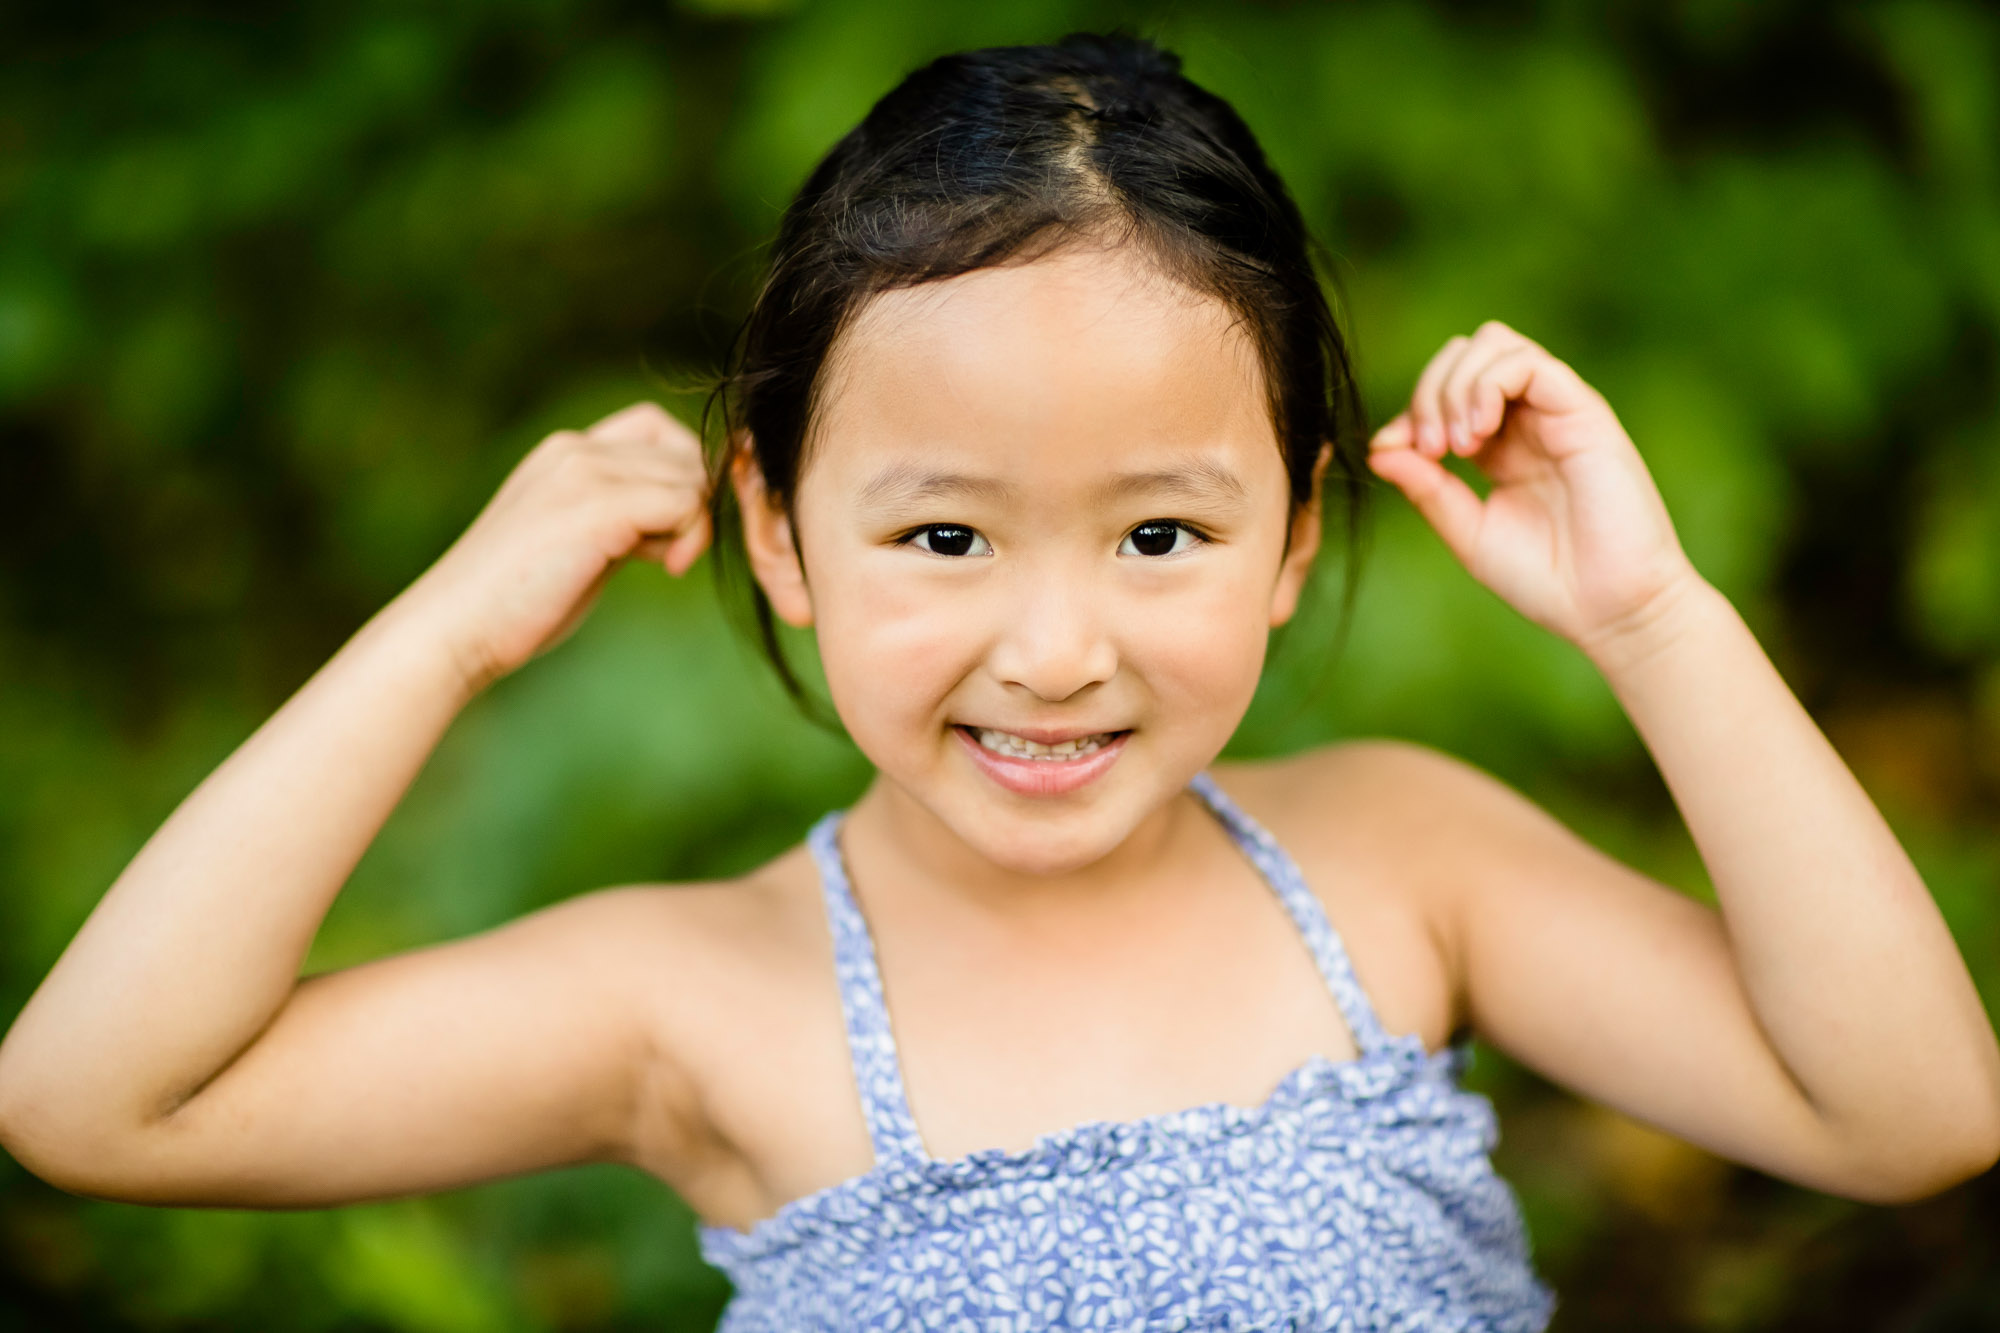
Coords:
1200,538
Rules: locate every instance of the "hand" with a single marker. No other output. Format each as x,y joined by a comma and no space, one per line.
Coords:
521,578
1573,533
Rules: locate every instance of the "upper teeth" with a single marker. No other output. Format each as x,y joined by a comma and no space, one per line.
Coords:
1006,742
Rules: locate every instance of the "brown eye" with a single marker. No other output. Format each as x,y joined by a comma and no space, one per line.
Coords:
950,539
1159,537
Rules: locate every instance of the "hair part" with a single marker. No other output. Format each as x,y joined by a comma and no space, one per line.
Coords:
1003,155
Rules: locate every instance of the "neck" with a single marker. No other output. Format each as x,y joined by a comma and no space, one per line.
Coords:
900,844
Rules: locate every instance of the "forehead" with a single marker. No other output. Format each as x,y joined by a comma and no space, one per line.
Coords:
1083,360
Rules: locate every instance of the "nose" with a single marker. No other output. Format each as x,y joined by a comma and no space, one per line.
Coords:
1053,641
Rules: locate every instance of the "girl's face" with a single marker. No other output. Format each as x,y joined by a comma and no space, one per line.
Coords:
1045,503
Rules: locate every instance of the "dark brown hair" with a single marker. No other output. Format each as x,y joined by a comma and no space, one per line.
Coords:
1000,155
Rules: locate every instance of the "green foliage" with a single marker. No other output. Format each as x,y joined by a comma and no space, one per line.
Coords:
283,297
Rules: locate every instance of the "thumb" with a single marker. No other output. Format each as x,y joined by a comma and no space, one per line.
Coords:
676,552
686,546
1452,508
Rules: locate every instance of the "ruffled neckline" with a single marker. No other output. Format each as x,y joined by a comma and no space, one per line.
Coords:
1318,1084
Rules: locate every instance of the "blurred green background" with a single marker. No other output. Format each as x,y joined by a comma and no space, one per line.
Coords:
285,292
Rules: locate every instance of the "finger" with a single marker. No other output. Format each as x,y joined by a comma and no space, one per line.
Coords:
650,431
675,546
643,441
1501,380
653,550
634,466
1424,398
675,552
644,509
1452,508
686,548
1548,386
637,420
1491,341
1396,433
1553,386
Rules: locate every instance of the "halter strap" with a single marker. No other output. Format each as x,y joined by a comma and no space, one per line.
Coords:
1282,873
878,1074
871,1042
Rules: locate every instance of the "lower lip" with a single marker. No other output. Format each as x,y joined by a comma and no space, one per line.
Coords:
1042,777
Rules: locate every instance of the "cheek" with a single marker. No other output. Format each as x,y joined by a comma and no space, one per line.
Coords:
892,645
1202,650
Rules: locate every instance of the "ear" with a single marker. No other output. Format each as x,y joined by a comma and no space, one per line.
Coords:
1297,564
767,538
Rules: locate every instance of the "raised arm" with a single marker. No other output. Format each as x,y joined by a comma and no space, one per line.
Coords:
173,1055
1822,1025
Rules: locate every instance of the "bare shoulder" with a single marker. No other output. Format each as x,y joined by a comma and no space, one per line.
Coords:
733,978
695,949
1321,769
1388,832
1399,771
662,941
701,928
1419,808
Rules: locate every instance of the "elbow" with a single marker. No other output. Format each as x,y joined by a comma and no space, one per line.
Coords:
1982,1154
28,1123
1973,1147
50,1146
30,1135
16,1120
1928,1141
1906,1187
26,1137
1925,1166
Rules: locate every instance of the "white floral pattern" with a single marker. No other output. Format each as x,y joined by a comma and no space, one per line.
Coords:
1359,1195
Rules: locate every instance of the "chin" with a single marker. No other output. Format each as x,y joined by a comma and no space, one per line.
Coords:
1047,836
1048,845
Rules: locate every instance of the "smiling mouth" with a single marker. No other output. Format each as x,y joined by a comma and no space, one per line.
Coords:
1019,747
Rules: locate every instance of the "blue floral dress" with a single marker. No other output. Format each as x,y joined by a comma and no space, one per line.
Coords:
1358,1195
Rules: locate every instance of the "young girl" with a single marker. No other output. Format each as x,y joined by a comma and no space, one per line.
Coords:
1059,1025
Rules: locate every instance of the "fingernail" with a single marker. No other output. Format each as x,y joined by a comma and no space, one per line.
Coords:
1428,434
1460,440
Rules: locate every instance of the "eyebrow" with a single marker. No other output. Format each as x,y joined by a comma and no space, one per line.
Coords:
1199,480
